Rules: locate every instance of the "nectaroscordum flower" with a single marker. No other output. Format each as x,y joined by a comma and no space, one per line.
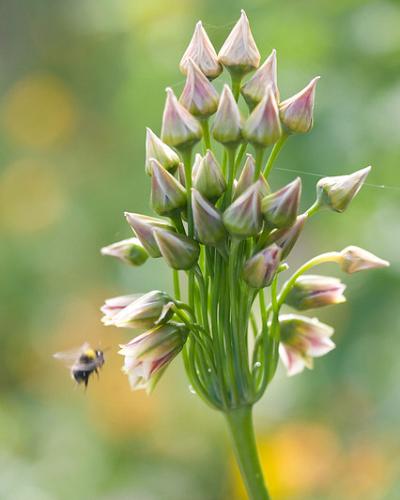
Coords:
130,251
156,149
260,269
263,127
167,194
228,122
265,77
280,208
310,292
354,259
208,178
243,218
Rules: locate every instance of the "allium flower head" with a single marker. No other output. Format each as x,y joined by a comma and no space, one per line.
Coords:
208,178
179,251
303,339
157,149
202,52
227,122
239,53
311,291
259,270
255,89
354,259
297,112
280,208
130,251
167,194
143,227
243,218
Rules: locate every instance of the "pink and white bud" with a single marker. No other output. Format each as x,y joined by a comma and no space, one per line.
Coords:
199,97
239,53
157,149
147,355
259,270
243,217
265,77
202,52
143,227
246,178
208,224
208,178
310,292
179,128
130,251
179,251
286,238
337,192
303,339
280,208
167,194
263,127
297,112
353,259
227,122
114,306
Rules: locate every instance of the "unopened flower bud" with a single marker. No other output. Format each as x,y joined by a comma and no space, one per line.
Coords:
246,178
311,291
354,259
260,269
143,312
157,149
179,251
167,194
337,192
130,251
199,97
280,208
179,128
239,53
227,121
201,50
147,355
208,224
263,127
143,227
208,178
303,339
255,89
243,217
286,238
297,112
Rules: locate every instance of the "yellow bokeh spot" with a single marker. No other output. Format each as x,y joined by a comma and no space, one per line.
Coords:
39,111
30,197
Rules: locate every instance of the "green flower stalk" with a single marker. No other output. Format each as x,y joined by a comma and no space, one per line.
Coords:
224,231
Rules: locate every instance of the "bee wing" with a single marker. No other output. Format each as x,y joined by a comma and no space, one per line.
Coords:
69,357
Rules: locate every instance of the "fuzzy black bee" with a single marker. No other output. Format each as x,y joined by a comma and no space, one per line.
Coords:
85,362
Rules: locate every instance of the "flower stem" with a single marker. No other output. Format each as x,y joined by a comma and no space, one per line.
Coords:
244,444
274,154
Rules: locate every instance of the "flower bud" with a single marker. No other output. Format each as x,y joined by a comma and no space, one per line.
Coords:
130,251
263,127
239,53
143,227
179,128
155,148
143,312
167,194
201,50
246,178
310,292
280,208
259,270
337,192
286,238
255,89
179,251
199,97
297,112
147,355
208,224
354,259
227,121
303,339
115,305
243,218
208,178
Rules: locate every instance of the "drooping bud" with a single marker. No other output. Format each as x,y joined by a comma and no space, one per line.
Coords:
201,50
255,89
302,339
280,208
130,251
114,306
297,112
208,224
260,269
167,194
208,178
337,192
263,127
155,148
143,227
227,121
179,128
239,53
179,251
143,312
311,291
243,217
286,238
147,355
198,96
354,259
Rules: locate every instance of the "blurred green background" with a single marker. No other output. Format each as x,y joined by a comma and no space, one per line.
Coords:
79,81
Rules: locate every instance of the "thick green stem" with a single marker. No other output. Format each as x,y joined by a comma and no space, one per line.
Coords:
274,154
206,134
244,444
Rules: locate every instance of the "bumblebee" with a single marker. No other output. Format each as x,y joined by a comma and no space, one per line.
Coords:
82,362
